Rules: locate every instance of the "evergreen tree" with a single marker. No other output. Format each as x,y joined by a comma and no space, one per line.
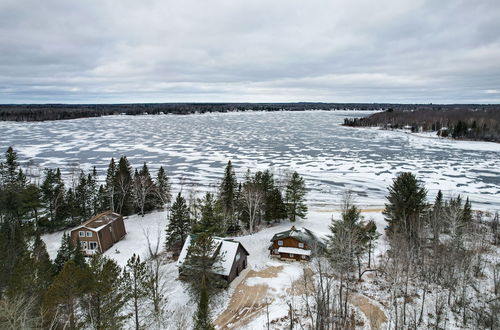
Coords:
43,269
53,193
106,295
405,207
110,186
135,276
64,253
82,196
179,225
63,299
144,190
163,190
200,271
295,197
211,217
10,167
228,195
467,212
124,187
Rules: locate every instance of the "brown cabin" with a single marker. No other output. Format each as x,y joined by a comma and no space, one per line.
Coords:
295,244
99,233
233,255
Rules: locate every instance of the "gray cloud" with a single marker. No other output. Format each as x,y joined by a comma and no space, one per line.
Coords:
260,50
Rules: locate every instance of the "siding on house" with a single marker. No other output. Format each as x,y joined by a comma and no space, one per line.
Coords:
104,229
301,244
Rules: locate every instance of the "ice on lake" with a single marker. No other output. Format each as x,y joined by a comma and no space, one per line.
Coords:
195,148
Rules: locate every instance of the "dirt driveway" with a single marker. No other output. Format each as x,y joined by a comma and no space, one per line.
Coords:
247,301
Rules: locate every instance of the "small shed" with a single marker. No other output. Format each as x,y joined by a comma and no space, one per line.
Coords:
99,233
233,257
296,244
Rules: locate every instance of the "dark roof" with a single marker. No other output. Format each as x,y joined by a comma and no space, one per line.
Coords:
302,234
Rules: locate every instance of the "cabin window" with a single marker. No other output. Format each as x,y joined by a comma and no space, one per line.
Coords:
81,233
92,245
83,245
237,257
301,245
89,234
280,243
291,255
303,257
275,251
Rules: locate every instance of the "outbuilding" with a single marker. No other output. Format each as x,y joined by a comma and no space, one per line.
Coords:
232,257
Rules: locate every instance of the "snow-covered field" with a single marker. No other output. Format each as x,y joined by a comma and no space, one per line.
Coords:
195,148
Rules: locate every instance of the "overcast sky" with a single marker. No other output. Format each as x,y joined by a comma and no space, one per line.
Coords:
107,51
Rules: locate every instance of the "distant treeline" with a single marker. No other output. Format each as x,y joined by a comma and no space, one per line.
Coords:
471,122
41,112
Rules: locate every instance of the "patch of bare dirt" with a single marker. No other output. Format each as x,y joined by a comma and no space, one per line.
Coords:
247,301
373,313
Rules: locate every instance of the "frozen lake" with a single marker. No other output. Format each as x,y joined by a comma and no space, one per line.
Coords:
195,148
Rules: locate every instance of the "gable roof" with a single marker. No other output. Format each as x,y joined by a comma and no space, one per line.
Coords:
225,248
301,234
99,221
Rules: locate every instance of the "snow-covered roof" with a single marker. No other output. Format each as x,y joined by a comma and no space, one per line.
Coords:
224,248
99,221
294,251
301,234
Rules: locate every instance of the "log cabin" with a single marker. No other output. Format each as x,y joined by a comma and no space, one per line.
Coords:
296,244
99,233
232,262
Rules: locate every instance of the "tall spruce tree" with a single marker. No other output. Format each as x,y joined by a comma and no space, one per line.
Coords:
144,190
135,276
163,190
228,195
405,208
106,294
124,187
211,216
200,271
63,299
295,197
110,186
179,225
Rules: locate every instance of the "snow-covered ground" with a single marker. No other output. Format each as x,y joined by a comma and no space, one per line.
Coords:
153,226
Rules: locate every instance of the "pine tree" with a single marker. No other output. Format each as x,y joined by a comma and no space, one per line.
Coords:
211,217
110,185
467,212
200,271
53,194
135,277
228,195
82,196
124,187
69,251
10,167
63,298
144,190
405,207
179,225
295,197
163,190
42,269
106,295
